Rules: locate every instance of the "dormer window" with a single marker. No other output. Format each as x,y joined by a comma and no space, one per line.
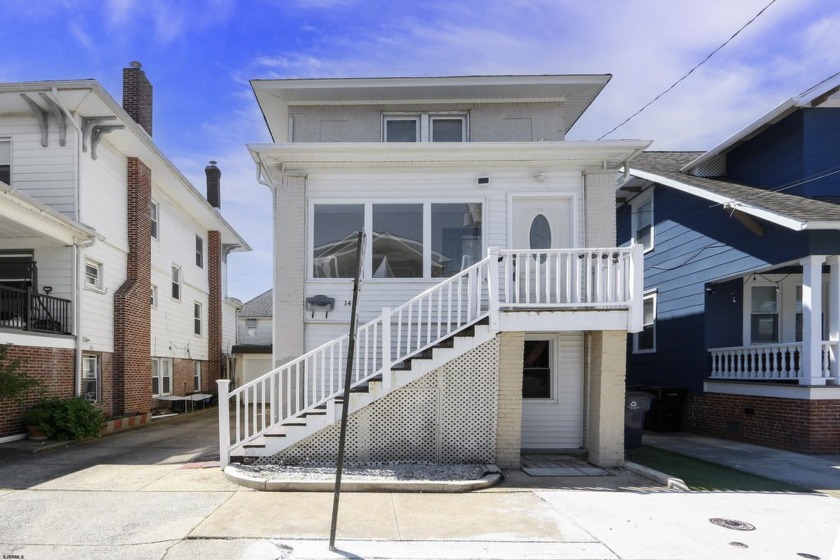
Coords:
424,127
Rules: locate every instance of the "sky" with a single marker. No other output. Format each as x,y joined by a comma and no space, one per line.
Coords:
201,54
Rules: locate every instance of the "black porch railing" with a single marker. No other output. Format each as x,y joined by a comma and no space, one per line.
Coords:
25,310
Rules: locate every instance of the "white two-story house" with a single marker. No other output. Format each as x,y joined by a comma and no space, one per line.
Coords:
494,305
112,265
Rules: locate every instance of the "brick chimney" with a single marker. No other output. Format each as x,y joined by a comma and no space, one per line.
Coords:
214,177
137,95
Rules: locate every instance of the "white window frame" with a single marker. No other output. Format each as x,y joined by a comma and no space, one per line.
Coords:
197,318
154,296
636,209
98,279
162,370
197,376
367,265
251,327
177,283
7,161
154,217
199,251
425,123
554,378
87,360
652,296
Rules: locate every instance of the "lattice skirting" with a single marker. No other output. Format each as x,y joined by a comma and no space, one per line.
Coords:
447,416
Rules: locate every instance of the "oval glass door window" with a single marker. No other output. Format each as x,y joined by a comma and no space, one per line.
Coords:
540,235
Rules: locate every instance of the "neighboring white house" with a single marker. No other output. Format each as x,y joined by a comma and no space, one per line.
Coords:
252,351
468,194
111,262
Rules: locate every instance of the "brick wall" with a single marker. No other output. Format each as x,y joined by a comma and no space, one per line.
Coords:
53,367
805,426
605,429
509,399
137,96
132,365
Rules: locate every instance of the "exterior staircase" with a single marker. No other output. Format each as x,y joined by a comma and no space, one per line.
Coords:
298,399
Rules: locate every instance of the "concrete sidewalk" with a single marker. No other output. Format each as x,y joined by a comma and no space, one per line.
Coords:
820,473
155,493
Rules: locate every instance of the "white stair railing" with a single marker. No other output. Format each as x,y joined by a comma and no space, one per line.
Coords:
313,380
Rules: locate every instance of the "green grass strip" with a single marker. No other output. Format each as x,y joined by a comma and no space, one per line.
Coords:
703,476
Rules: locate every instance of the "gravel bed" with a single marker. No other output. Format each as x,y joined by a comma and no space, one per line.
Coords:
373,471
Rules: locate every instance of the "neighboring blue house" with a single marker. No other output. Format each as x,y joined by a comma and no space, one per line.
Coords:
742,276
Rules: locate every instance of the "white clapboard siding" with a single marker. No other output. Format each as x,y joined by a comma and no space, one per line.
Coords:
558,424
97,321
103,194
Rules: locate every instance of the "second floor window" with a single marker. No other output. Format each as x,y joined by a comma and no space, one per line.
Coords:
197,318
93,275
642,222
176,282
424,127
250,327
199,251
5,161
154,211
154,298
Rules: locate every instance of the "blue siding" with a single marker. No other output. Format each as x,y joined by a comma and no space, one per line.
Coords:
696,243
771,159
822,150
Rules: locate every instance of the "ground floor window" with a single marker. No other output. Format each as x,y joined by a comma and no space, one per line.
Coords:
197,376
645,341
161,377
90,377
537,378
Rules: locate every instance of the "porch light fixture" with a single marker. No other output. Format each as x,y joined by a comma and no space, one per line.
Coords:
320,303
47,289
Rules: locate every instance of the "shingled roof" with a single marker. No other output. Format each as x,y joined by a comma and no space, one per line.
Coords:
794,212
260,306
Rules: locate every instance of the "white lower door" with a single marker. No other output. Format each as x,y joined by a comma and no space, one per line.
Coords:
552,391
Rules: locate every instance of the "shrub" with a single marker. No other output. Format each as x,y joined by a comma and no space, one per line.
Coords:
70,418
15,384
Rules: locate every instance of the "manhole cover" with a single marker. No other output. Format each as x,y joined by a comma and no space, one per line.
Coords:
732,524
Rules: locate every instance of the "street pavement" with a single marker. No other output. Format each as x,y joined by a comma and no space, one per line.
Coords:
157,493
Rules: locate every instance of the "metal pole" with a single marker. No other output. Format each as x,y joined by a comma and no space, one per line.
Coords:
351,346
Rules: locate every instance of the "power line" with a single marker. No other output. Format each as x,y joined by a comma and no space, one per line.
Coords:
655,99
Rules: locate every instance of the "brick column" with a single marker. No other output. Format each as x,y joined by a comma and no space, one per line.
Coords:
131,387
509,408
605,430
214,313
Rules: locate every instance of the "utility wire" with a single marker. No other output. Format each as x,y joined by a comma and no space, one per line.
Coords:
655,99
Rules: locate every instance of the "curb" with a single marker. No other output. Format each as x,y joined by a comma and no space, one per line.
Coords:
669,481
493,476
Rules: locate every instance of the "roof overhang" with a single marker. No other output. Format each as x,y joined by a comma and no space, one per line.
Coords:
299,157
87,98
24,217
575,92
734,205
826,93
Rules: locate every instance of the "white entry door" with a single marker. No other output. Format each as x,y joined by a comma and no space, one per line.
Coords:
540,223
552,391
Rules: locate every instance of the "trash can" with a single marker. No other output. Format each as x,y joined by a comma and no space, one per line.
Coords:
636,405
666,411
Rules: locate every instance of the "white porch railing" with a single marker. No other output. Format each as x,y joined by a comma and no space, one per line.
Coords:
566,278
767,362
561,279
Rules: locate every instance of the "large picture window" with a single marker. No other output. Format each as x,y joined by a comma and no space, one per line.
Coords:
412,240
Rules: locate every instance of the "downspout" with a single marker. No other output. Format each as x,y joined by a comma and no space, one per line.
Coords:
77,268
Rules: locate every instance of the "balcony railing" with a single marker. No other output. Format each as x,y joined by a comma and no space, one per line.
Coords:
25,310
769,362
